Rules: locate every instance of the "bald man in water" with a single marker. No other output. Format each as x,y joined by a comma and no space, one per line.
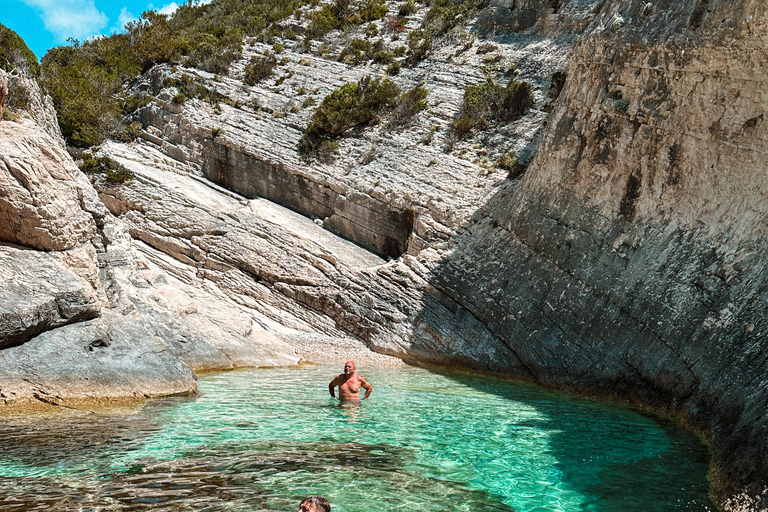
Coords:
314,504
349,384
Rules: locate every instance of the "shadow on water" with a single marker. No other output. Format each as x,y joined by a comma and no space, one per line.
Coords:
619,459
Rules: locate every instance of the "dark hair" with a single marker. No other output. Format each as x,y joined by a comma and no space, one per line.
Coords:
318,501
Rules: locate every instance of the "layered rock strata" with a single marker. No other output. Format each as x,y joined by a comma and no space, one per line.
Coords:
86,313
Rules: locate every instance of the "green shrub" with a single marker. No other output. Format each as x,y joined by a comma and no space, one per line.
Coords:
355,104
488,104
345,13
383,58
259,68
190,88
130,133
179,98
351,105
510,164
18,96
358,50
419,45
620,105
408,105
14,53
393,68
371,31
407,8
113,171
462,126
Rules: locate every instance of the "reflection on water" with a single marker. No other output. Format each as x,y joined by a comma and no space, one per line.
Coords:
263,439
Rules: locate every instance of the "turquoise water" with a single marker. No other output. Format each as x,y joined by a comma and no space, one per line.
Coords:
424,441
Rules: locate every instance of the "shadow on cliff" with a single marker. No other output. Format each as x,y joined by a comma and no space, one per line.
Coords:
613,458
509,270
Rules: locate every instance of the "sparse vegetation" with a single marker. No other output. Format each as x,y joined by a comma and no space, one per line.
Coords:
259,68
188,87
442,17
408,105
358,51
345,13
357,104
394,24
487,48
383,57
371,31
487,104
113,171
511,164
620,105
407,8
86,81
14,53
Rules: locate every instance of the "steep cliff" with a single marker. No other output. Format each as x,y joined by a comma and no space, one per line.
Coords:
628,261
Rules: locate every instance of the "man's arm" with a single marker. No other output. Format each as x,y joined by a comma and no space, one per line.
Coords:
367,387
332,385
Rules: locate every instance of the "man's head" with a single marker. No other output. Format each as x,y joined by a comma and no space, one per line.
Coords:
349,368
315,504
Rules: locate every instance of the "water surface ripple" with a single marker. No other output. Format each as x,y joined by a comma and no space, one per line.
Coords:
262,439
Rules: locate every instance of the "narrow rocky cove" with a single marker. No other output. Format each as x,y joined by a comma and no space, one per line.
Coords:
620,257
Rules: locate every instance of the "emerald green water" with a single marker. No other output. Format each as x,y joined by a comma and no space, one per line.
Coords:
263,439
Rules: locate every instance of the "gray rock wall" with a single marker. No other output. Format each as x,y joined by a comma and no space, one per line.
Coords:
367,221
628,262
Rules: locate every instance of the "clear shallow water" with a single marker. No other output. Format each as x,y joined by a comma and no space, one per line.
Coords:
263,439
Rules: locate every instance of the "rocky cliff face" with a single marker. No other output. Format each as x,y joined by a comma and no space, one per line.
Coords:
628,261
625,263
83,314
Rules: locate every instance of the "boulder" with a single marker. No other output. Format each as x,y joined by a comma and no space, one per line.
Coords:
39,293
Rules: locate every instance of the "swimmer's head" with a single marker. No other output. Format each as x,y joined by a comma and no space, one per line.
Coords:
314,504
349,368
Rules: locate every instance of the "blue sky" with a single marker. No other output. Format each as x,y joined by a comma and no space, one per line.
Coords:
47,23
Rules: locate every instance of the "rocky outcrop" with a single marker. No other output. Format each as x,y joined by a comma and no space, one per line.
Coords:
3,92
294,273
84,316
45,201
40,293
25,100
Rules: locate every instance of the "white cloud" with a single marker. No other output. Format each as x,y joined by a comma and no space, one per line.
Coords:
70,18
169,9
125,16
